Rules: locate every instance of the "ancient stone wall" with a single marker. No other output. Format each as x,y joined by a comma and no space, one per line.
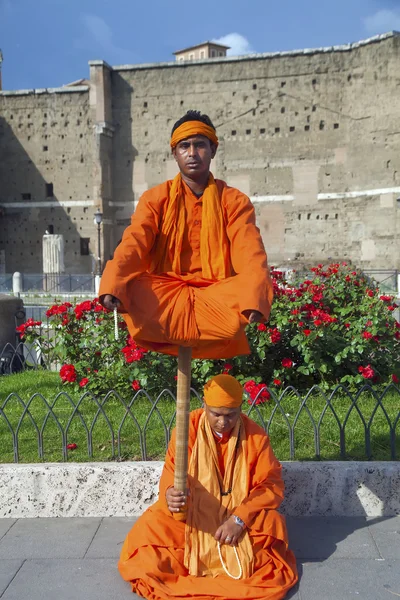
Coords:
45,176
312,136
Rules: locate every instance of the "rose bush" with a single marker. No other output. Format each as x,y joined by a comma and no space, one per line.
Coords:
331,328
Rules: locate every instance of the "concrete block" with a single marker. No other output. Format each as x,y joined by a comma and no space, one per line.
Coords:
65,579
350,578
107,542
320,538
52,538
386,534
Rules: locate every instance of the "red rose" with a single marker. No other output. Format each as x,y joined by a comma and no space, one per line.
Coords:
385,298
347,325
367,372
262,327
307,332
367,335
71,446
277,382
84,381
68,373
317,322
287,363
395,379
275,336
136,385
370,293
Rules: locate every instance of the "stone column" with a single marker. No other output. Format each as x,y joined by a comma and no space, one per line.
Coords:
101,106
53,261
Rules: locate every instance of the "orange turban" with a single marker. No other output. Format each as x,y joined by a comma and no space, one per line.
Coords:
223,390
190,128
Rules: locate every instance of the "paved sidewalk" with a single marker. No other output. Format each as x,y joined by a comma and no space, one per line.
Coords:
75,558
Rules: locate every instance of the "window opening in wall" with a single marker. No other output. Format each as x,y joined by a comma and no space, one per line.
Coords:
292,128
248,131
254,86
233,132
45,148
317,217
308,216
314,82
85,246
49,190
50,229
277,129
26,196
299,217
262,130
144,104
212,53
314,108
306,128
283,83
191,56
283,109
336,216
201,53
221,54
336,126
326,217
321,125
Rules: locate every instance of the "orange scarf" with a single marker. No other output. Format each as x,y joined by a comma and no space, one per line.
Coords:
214,244
208,509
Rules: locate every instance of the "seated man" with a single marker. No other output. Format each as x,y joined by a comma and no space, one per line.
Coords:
234,543
191,269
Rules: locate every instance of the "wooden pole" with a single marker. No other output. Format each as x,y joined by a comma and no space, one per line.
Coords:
182,423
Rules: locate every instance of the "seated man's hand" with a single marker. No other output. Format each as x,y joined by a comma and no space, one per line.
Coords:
253,316
175,500
229,532
110,302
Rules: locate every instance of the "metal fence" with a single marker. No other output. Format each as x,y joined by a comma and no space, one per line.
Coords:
50,283
338,425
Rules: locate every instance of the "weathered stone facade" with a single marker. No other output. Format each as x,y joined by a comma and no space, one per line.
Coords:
312,136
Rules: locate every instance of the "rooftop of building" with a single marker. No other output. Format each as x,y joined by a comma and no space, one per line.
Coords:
207,43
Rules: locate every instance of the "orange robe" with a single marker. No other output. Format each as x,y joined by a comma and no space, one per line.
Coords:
166,310
153,554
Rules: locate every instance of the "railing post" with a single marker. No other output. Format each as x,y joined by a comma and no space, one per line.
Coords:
97,284
17,283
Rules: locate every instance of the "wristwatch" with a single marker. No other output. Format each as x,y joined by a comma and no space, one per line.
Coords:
239,521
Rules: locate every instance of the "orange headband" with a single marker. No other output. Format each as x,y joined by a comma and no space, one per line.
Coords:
190,128
223,390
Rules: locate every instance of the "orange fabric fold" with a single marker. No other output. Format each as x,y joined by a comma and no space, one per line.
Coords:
153,554
214,245
223,390
164,309
208,508
190,128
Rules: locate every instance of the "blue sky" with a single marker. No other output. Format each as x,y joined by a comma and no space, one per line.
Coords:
48,43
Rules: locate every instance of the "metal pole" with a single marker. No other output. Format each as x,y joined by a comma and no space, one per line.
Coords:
98,249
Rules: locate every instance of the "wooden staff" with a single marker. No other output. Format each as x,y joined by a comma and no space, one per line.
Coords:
182,424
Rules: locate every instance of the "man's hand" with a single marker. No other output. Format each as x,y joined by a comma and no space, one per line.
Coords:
175,500
110,302
253,316
229,532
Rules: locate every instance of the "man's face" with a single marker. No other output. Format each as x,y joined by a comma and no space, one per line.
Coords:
194,155
222,420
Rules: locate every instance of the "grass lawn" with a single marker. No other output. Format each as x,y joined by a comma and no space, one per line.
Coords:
144,431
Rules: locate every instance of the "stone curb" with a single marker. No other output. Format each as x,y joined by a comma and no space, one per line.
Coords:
127,489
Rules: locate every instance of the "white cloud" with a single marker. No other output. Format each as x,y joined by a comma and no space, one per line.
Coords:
238,44
98,36
382,21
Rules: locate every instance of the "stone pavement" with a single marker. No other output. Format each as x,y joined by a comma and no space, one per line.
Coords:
76,558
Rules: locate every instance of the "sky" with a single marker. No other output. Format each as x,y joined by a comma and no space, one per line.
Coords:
48,43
